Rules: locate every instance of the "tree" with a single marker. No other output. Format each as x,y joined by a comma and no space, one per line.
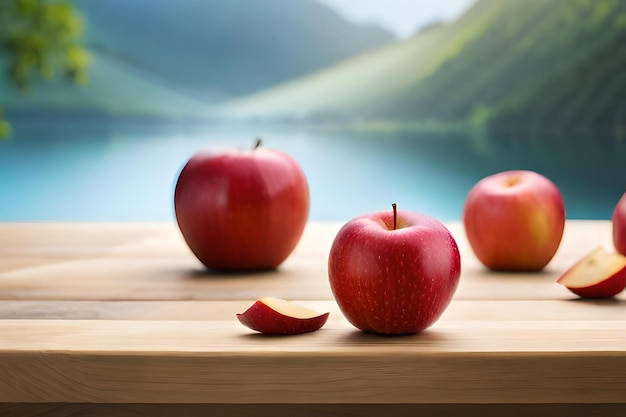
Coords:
41,39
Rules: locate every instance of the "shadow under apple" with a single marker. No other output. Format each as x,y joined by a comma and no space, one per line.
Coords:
425,337
201,273
603,302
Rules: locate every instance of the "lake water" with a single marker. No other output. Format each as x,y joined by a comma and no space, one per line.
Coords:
99,172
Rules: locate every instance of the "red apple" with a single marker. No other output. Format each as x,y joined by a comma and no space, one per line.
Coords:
619,225
241,209
600,274
393,272
514,220
276,316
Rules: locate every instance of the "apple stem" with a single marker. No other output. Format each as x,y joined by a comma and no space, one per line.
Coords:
395,215
257,143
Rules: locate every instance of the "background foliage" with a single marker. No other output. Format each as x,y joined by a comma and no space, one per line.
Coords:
41,39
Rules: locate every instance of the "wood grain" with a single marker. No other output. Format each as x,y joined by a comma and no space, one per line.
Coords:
151,262
574,309
310,410
296,377
97,317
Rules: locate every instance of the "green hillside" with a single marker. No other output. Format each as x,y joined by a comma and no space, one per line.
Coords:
216,50
508,64
172,59
114,89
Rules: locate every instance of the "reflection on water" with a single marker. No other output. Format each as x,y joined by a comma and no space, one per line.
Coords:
103,172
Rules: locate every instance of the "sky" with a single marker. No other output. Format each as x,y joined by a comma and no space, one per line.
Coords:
402,17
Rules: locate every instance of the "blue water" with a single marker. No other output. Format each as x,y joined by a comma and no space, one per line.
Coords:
104,172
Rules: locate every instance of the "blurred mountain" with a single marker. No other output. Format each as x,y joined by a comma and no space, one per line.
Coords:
510,65
176,57
219,49
115,89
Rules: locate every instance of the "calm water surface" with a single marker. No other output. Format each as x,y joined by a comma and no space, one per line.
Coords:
98,172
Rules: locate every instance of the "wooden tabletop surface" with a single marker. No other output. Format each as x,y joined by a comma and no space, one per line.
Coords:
117,314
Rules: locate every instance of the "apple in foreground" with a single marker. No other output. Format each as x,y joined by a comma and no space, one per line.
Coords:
393,272
619,225
514,220
277,316
241,209
600,274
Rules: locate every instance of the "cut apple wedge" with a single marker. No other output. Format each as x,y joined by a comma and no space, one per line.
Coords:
600,274
277,316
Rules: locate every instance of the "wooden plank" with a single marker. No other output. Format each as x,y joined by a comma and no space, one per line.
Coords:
152,263
372,375
132,240
146,264
228,336
310,410
14,264
37,240
140,241
168,279
118,314
466,310
158,279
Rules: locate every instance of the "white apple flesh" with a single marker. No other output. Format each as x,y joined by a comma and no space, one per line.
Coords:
600,274
271,315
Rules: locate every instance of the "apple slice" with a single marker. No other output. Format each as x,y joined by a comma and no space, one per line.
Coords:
277,316
600,274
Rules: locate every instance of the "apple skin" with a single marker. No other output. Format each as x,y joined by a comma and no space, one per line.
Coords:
607,287
393,281
514,220
619,225
261,317
241,210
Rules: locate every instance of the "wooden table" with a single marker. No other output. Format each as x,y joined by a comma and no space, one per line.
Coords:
120,319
